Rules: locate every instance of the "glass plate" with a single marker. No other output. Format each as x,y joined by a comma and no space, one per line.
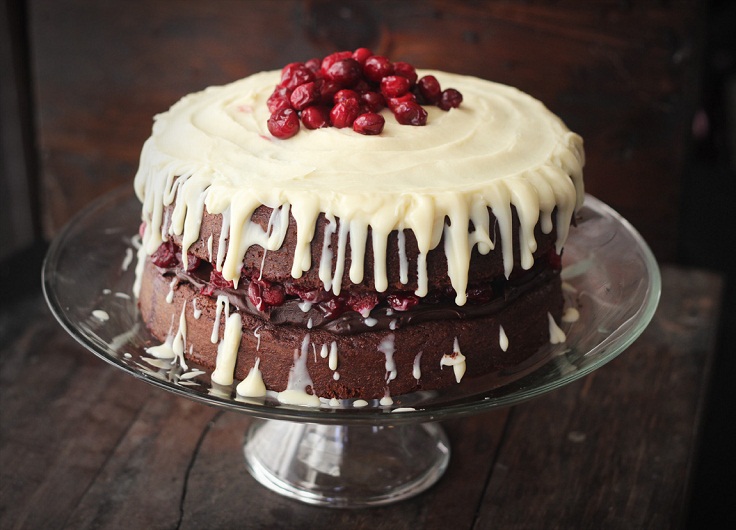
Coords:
609,275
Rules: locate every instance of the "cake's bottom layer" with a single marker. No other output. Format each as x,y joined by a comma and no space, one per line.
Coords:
366,365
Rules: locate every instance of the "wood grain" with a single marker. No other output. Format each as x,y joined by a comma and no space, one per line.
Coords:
621,74
83,445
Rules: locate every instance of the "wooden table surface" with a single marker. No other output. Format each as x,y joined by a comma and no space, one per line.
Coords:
86,446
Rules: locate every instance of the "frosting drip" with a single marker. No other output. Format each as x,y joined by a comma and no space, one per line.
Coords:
501,148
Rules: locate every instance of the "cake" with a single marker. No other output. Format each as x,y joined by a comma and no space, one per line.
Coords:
367,261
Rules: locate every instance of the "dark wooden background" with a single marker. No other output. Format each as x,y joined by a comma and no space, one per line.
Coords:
622,74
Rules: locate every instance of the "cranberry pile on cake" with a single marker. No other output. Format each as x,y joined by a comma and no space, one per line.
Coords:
351,227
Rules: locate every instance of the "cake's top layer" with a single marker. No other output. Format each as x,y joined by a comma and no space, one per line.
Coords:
500,148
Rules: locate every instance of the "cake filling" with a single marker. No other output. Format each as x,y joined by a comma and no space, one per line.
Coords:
350,312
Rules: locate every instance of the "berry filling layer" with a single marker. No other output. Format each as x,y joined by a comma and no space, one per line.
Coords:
351,311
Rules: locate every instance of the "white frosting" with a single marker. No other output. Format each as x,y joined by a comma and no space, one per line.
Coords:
500,148
299,380
388,348
227,351
556,335
456,360
503,340
252,385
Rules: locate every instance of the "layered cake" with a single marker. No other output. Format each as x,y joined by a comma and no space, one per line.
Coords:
334,232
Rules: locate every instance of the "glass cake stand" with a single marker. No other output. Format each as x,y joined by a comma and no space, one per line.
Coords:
342,454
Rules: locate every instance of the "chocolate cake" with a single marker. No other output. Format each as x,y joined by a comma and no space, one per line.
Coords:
354,251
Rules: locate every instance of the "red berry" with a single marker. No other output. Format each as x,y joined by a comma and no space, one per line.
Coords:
193,261
328,61
369,123
295,74
342,95
316,117
450,99
394,86
283,123
273,294
392,103
217,282
363,303
304,95
362,86
344,113
254,295
405,70
264,294
402,302
327,92
314,65
429,89
361,54
377,67
345,72
333,306
410,113
165,255
372,101
279,99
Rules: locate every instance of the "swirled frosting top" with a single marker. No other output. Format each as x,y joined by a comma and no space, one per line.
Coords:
500,148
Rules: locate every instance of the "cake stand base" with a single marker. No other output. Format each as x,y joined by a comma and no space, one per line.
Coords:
346,466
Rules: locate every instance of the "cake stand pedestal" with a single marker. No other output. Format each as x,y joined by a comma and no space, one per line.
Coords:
346,466
348,456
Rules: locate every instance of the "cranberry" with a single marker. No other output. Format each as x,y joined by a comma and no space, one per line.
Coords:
362,86
193,261
372,101
283,123
394,86
217,282
254,295
304,95
410,113
165,255
377,67
279,99
405,70
316,117
429,89
361,54
333,306
328,61
392,103
363,303
273,295
450,99
345,72
344,113
327,92
402,302
264,294
369,123
346,93
295,74
314,65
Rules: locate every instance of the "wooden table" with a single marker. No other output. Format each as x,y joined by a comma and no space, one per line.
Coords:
86,446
